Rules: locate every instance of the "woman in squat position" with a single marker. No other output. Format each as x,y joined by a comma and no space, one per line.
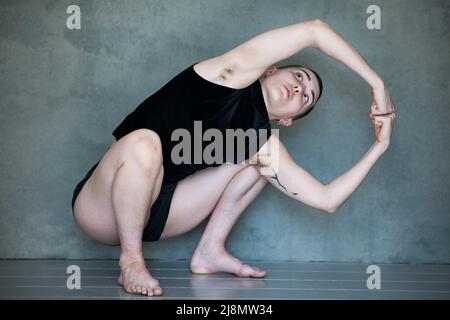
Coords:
136,192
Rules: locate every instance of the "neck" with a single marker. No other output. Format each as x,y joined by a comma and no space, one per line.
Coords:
266,100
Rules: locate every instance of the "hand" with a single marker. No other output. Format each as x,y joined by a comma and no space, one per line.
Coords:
383,126
382,101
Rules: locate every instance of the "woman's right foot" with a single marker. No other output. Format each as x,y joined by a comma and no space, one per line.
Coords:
136,279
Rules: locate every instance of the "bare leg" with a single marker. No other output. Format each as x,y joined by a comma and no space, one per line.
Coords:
112,207
211,255
132,188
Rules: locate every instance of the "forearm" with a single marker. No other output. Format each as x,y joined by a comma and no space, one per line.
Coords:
328,41
340,189
278,167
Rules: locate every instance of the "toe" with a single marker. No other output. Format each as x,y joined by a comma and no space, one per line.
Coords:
258,270
249,271
260,273
158,291
138,289
144,291
245,270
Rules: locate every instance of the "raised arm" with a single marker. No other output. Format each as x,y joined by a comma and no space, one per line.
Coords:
278,44
288,177
328,41
244,64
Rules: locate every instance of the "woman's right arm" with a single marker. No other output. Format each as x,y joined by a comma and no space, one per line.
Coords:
288,177
340,189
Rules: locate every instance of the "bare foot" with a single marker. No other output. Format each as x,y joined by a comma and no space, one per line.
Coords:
215,260
136,279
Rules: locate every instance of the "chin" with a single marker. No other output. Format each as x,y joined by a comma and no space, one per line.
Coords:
276,96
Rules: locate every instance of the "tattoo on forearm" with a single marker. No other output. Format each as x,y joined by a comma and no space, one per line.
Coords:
275,177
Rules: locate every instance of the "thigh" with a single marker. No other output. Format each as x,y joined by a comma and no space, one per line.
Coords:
196,196
93,207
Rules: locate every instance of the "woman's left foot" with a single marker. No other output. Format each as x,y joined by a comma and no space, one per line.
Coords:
205,261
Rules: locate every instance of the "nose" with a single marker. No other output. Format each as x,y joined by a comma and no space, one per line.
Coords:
297,89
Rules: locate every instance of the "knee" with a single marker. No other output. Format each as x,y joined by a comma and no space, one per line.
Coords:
262,180
239,186
144,145
251,173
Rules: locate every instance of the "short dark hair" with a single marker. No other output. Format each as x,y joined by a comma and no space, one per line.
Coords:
319,80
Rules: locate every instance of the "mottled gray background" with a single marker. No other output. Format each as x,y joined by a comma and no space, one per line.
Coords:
63,92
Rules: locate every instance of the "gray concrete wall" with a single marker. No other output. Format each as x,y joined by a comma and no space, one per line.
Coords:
64,91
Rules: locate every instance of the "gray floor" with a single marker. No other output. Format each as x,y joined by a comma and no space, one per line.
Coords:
46,279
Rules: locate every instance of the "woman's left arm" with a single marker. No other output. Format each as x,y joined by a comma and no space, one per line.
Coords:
328,41
244,64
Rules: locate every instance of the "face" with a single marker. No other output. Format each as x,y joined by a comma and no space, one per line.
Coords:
288,92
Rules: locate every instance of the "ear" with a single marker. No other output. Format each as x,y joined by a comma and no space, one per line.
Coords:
270,70
285,122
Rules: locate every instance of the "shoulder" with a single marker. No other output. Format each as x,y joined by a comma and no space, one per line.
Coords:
225,71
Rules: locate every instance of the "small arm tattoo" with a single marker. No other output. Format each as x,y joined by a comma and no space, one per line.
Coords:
275,177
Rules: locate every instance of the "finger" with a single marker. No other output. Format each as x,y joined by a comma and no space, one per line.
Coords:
382,120
377,123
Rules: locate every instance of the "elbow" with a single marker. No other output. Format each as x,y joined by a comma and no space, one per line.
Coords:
317,27
329,209
329,206
319,22
315,23
332,210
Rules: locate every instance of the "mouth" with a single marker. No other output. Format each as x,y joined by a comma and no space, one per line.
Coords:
288,92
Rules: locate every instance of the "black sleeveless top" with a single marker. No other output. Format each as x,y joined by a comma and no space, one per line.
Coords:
187,98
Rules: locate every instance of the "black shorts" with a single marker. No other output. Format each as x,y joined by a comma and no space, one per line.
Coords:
158,212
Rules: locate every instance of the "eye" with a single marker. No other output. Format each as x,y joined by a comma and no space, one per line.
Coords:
305,95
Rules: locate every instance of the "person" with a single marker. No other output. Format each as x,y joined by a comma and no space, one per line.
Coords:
136,192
